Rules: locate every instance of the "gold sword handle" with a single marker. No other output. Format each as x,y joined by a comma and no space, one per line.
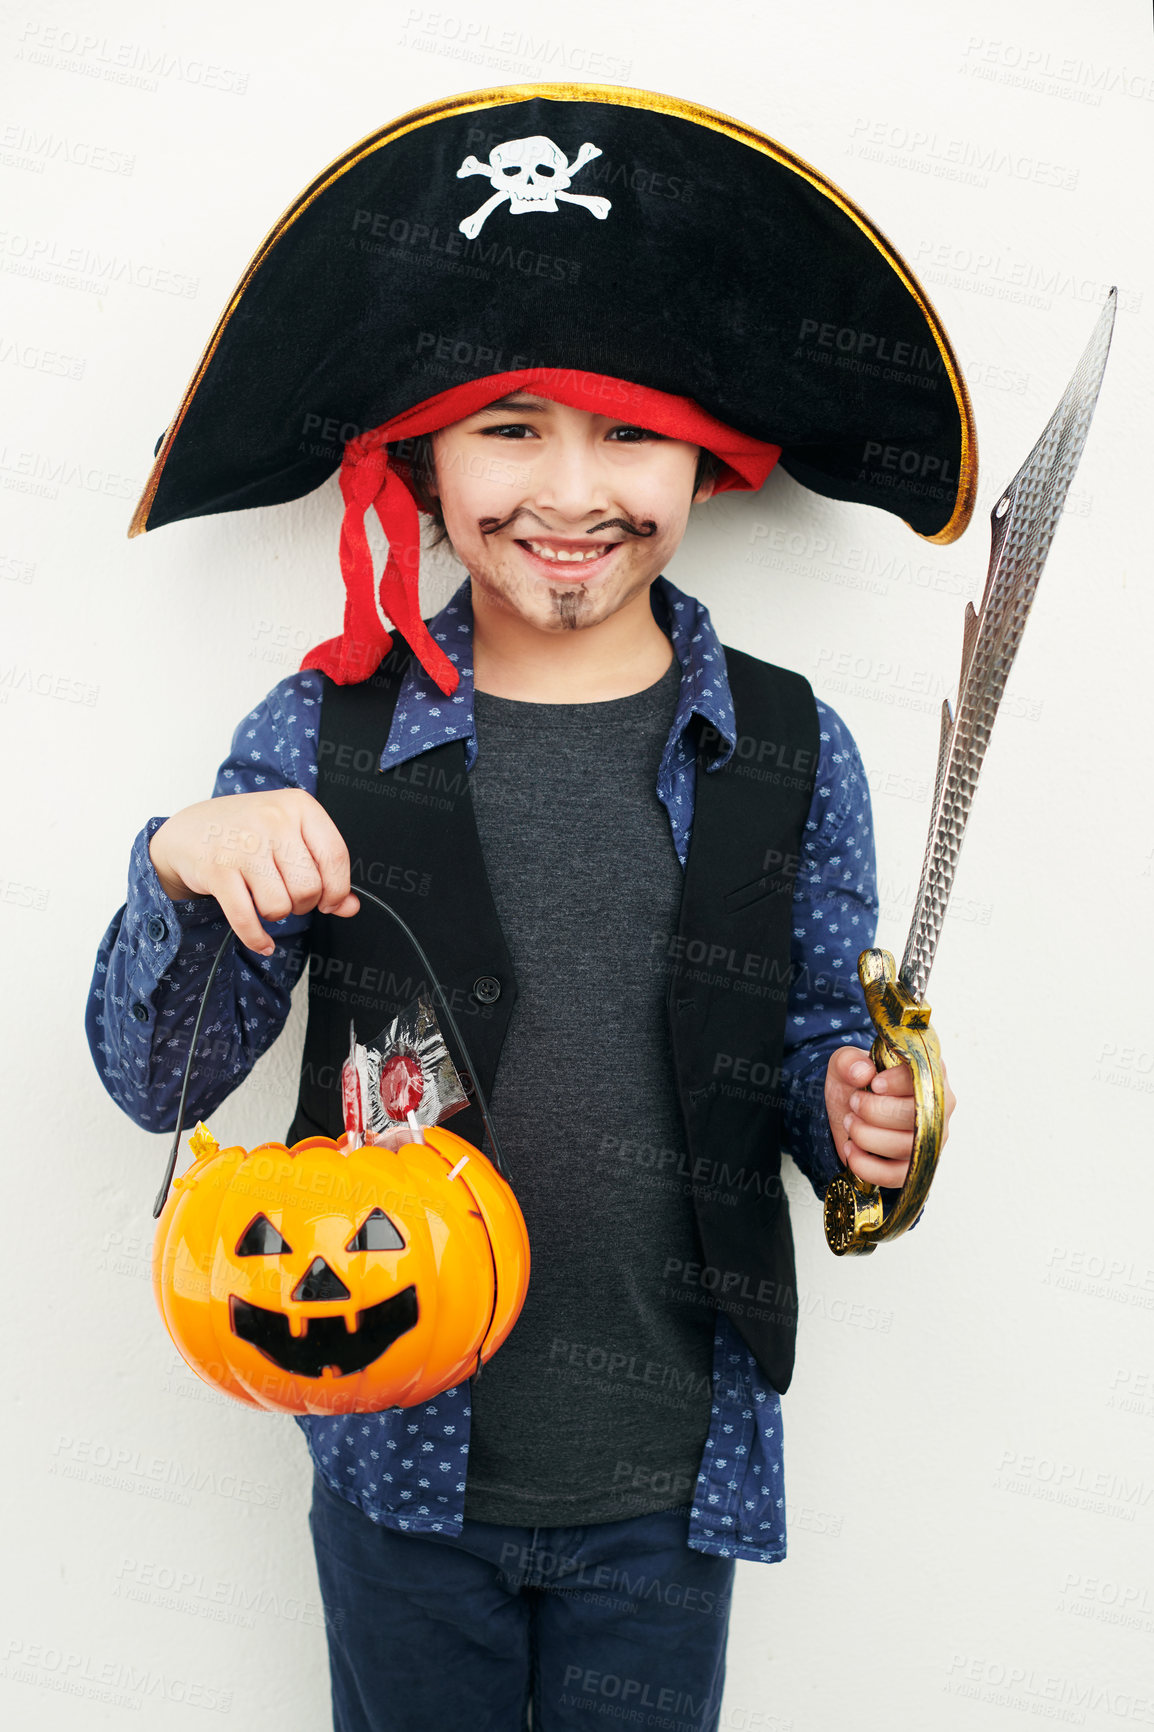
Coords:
854,1221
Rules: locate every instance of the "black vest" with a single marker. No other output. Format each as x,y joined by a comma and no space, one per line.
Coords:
412,839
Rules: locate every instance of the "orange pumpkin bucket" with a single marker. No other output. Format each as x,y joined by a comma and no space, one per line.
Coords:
335,1278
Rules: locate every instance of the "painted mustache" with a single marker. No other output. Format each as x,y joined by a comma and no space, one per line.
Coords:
492,525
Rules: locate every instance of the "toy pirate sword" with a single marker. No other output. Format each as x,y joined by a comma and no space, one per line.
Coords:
1022,524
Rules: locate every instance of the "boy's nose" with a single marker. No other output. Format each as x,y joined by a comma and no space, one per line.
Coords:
571,485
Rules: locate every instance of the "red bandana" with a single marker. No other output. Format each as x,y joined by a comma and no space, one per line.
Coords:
369,482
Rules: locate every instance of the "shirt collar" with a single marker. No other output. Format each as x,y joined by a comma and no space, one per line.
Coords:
424,718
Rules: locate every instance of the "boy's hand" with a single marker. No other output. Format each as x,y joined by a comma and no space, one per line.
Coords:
871,1115
264,855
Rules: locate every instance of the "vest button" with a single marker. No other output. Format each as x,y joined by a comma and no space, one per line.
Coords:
486,989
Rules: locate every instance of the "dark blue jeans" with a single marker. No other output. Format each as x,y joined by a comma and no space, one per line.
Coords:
509,1628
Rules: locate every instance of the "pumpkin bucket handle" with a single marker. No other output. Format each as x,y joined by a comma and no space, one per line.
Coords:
440,995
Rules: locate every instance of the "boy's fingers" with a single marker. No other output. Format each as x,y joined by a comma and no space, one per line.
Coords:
853,1065
271,896
898,1080
289,857
872,1169
327,847
236,905
892,1112
875,1140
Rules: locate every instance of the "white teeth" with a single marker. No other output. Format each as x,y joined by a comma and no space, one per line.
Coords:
579,554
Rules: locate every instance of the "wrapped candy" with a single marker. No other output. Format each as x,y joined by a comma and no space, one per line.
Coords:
403,1079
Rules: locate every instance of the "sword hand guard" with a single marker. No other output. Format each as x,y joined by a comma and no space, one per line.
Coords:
854,1221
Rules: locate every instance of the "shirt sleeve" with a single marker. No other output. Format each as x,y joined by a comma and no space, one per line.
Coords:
835,910
156,954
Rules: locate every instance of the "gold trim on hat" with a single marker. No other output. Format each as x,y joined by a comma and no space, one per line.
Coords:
502,96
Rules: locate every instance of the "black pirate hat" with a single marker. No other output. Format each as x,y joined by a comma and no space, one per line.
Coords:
607,231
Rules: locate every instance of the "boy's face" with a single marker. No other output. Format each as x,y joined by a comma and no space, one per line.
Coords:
560,515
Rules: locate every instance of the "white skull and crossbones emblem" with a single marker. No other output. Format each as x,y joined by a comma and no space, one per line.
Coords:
532,174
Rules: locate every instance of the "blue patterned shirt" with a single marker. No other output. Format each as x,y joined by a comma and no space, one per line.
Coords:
405,1467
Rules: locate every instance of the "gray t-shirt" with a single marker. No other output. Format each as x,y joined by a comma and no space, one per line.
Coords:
597,1406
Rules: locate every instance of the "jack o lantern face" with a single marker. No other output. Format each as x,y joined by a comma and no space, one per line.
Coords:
327,1342
327,1279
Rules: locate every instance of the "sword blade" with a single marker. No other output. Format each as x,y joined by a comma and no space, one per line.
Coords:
1022,527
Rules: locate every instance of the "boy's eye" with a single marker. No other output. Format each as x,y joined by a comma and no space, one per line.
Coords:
514,428
620,435
631,435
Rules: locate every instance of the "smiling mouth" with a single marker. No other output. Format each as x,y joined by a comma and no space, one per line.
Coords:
569,561
326,1341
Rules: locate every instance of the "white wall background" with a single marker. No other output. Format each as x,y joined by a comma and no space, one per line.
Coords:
970,1486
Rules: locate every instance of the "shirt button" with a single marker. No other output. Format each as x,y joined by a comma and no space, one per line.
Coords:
156,929
140,1012
486,989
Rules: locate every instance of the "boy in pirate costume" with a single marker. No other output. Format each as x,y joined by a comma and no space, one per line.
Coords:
640,862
